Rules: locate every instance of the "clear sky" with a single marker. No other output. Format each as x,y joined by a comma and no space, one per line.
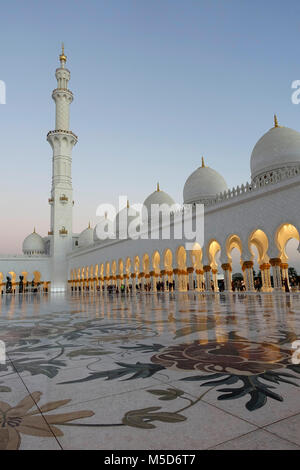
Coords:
157,84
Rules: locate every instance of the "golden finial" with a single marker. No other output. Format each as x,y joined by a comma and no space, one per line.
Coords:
63,57
89,224
157,188
202,165
34,230
127,204
275,121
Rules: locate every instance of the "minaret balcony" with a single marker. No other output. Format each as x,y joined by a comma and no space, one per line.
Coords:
63,89
62,131
63,232
51,200
59,93
63,199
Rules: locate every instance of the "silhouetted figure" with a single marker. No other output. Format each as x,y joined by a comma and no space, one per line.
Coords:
8,285
21,285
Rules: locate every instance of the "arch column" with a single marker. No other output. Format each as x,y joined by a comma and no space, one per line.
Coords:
180,281
215,280
266,277
199,278
126,278
191,278
133,280
176,278
285,273
153,281
169,278
277,280
207,278
227,276
142,280
147,279
163,277
184,280
248,275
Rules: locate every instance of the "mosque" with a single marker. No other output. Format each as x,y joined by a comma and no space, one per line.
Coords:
263,214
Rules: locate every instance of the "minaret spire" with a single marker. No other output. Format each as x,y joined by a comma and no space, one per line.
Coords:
62,57
62,141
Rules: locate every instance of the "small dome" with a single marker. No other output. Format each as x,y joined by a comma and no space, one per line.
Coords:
86,237
33,244
203,184
278,148
158,197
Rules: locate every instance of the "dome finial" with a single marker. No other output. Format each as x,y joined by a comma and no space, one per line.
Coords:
34,230
157,188
202,165
127,204
275,121
89,224
62,57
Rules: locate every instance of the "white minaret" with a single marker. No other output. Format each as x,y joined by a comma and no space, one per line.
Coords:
62,141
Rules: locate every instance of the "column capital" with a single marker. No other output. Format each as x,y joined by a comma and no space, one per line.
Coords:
206,269
199,271
226,267
264,266
275,261
248,265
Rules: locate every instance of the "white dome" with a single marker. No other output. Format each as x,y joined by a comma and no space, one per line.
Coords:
158,197
33,244
203,184
278,148
86,237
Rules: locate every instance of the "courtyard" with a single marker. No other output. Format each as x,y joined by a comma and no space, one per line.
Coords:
150,371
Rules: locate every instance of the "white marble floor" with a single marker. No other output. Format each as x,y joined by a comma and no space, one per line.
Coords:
151,371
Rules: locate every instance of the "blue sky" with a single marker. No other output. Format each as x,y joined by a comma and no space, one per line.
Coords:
157,84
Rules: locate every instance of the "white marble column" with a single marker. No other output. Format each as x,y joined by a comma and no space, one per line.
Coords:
227,277
191,277
277,280
215,280
207,277
248,275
